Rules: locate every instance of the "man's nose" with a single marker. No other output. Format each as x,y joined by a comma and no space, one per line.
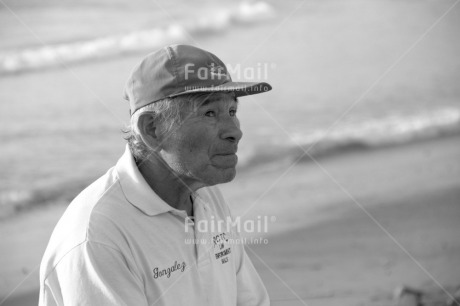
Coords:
231,130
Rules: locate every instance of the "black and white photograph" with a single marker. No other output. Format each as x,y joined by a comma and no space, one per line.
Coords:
230,153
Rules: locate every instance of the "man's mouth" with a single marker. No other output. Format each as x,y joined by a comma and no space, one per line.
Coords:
225,160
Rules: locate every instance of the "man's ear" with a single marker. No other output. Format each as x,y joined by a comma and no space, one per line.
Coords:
148,130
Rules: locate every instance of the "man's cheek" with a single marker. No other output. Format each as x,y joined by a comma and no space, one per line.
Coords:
187,145
198,142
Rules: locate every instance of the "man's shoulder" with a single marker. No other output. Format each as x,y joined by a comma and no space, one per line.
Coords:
88,217
93,200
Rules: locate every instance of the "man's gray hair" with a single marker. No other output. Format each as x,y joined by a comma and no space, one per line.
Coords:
168,114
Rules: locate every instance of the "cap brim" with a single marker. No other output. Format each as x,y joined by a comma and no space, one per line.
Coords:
238,88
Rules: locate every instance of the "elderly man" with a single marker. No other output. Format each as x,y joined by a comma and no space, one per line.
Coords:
123,240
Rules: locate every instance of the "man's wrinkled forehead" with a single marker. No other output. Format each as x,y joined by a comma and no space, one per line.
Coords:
197,101
216,97
190,104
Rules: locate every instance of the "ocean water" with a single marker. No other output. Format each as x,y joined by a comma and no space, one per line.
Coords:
215,21
346,74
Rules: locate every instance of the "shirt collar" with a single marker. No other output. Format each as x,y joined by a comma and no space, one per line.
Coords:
136,190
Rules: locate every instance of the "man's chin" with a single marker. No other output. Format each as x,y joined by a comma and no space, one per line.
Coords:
223,176
230,176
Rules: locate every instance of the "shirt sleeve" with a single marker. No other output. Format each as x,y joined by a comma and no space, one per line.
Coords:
93,274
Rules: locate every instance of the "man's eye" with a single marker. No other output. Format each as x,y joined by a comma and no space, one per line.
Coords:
232,112
210,114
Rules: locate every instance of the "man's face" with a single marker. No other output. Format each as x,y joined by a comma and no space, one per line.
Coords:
203,148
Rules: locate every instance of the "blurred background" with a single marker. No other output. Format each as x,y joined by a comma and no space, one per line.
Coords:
355,151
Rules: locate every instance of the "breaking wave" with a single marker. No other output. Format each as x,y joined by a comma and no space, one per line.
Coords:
370,134
54,55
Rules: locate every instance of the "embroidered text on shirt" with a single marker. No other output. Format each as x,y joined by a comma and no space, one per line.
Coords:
175,267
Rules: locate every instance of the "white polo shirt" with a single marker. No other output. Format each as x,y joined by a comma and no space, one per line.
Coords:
118,243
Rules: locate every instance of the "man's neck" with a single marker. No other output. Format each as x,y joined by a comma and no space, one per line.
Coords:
170,187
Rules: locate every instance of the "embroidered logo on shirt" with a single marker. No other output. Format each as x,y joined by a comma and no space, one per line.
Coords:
167,271
219,247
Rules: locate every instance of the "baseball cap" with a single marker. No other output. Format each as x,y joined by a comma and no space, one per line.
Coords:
182,69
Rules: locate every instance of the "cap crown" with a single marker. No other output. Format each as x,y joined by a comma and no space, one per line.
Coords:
172,71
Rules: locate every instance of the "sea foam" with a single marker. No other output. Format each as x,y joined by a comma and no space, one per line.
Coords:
148,39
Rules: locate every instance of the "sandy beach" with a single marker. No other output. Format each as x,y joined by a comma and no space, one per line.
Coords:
351,261
403,228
